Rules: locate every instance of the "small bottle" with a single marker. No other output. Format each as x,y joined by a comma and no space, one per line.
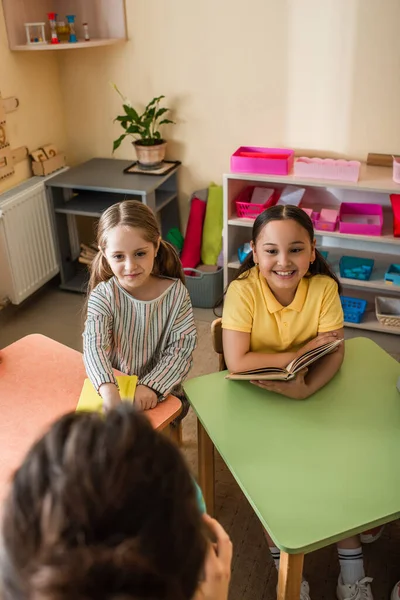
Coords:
86,32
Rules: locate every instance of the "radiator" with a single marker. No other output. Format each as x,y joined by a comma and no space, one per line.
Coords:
27,248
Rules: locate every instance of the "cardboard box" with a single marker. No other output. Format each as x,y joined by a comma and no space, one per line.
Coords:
48,166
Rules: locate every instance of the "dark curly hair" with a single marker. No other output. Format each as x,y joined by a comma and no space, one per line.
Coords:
102,508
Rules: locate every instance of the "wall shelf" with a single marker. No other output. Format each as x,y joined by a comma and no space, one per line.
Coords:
105,18
374,186
67,46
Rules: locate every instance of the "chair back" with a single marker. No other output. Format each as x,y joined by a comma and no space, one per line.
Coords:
216,336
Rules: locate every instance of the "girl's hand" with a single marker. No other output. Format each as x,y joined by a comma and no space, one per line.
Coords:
110,395
145,398
217,566
320,340
295,388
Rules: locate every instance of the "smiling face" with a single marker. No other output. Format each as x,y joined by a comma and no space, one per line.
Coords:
130,256
283,251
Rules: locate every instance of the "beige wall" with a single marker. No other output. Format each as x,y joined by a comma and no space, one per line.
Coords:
33,77
302,73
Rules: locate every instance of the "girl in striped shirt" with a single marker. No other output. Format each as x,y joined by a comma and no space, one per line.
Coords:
139,314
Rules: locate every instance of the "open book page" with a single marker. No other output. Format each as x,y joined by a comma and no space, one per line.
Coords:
308,358
277,374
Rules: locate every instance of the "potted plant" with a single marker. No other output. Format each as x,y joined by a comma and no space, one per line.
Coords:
145,129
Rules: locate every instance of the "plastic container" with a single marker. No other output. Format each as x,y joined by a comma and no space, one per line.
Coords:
353,309
392,275
205,289
352,267
388,311
361,219
395,201
253,159
326,220
246,209
327,168
314,216
324,254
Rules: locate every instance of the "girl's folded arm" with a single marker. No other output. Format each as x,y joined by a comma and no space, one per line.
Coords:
97,341
239,358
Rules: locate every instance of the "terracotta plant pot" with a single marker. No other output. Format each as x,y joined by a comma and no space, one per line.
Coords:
150,157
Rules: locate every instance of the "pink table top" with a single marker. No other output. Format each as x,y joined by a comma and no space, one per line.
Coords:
40,380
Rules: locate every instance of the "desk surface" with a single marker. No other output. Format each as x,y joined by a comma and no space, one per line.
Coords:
318,470
40,380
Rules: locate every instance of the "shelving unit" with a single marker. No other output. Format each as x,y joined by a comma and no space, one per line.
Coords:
374,186
106,21
89,189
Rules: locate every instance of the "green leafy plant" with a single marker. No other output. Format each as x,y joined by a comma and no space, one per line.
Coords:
144,128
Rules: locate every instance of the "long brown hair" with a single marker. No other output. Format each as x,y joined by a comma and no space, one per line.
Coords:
131,213
102,507
281,213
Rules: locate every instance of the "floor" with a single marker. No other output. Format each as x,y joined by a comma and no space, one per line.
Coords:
59,315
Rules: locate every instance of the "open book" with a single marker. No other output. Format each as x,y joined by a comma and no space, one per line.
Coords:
90,400
276,373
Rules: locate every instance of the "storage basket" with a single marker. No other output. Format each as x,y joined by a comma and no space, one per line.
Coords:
248,210
205,289
353,309
388,311
352,267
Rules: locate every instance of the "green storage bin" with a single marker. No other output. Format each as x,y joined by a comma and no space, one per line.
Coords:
205,289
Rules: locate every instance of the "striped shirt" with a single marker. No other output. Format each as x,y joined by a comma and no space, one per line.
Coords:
152,339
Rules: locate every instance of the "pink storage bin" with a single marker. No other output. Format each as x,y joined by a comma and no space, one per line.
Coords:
327,168
361,219
314,216
327,220
272,161
248,210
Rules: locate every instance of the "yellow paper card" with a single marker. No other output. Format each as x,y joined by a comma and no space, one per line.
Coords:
89,400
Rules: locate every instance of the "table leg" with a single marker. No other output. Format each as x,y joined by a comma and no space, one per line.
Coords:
290,576
206,467
176,433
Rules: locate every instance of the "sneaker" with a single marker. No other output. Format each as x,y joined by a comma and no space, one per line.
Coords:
371,535
304,590
395,595
361,590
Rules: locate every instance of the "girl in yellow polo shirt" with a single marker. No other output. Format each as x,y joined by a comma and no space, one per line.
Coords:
284,301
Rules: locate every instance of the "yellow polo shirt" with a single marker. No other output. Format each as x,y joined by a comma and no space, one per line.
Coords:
251,307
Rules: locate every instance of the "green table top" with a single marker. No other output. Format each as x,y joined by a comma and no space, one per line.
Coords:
318,470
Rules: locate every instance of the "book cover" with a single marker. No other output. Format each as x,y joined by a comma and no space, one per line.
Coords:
90,400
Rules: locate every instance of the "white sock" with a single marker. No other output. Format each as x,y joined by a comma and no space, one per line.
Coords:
276,555
351,565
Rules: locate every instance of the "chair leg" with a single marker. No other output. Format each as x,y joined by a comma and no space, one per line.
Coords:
206,467
290,576
176,433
